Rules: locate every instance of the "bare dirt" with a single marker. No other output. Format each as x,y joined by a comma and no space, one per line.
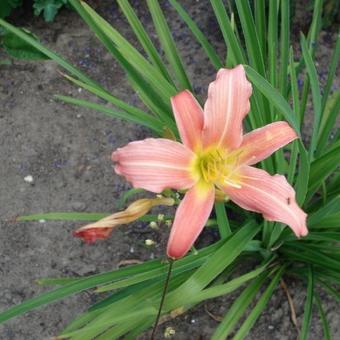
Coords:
67,150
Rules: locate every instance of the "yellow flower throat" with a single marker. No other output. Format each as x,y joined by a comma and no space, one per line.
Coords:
216,166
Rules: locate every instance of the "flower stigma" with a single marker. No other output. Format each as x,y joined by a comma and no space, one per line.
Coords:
215,165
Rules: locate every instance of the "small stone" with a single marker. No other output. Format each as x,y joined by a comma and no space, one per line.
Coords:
169,332
271,327
78,206
28,179
132,250
42,221
153,225
148,242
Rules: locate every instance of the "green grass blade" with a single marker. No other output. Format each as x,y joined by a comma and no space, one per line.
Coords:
258,309
222,220
96,280
301,184
251,37
228,287
201,38
111,112
322,167
273,96
143,38
284,46
52,55
316,95
122,49
329,116
331,73
260,22
238,308
64,216
307,315
229,251
323,318
129,109
168,44
272,44
234,49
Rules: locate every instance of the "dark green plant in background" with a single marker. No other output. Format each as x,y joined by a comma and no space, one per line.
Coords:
48,8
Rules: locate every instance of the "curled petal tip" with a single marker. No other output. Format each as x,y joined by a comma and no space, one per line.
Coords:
91,235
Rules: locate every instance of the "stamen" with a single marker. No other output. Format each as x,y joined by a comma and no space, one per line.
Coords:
232,184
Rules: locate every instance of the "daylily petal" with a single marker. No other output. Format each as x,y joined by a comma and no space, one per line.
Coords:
191,216
90,235
270,195
189,118
155,164
261,143
226,107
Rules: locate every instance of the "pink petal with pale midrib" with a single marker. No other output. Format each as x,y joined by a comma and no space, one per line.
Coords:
191,217
261,143
226,106
272,196
155,164
189,118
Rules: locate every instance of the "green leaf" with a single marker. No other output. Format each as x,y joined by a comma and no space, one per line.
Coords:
143,38
95,280
49,8
302,180
331,73
150,122
307,315
328,209
222,220
284,46
19,48
329,116
64,216
62,62
323,318
234,49
316,95
322,167
273,96
6,7
132,111
258,309
222,258
168,44
238,308
250,36
201,38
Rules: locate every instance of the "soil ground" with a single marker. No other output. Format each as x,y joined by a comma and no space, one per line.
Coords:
67,150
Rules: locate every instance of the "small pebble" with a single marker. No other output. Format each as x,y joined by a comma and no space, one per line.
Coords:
153,225
28,179
271,327
169,332
42,221
148,242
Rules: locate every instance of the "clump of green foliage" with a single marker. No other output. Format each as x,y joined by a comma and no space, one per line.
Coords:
48,8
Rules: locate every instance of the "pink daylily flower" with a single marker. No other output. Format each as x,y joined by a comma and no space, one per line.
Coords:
214,155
